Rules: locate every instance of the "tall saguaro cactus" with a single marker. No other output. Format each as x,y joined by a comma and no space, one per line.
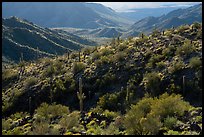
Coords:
127,94
184,82
80,95
79,56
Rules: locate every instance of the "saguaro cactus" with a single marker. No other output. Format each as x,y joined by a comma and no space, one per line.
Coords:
37,53
68,55
80,95
142,35
79,56
184,82
21,58
127,95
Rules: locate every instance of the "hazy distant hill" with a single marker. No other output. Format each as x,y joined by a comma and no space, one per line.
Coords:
138,14
64,14
174,18
20,36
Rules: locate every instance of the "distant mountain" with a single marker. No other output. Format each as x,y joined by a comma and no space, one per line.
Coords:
20,36
138,14
64,14
174,18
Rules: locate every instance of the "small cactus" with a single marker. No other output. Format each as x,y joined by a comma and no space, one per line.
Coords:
127,95
21,58
79,56
68,55
37,53
184,85
80,95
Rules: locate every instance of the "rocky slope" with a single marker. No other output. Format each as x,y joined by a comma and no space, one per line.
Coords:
112,78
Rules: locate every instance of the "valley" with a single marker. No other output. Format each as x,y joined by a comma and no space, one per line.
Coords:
85,69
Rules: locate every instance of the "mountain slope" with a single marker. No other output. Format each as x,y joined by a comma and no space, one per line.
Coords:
121,80
20,36
174,18
63,14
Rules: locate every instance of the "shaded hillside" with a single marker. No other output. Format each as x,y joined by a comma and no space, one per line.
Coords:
174,18
163,69
20,36
64,14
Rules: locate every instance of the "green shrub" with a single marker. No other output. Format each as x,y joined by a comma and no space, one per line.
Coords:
176,66
50,71
95,56
185,49
195,62
47,112
170,105
147,115
30,81
152,82
169,122
172,132
161,64
137,122
110,114
9,74
77,67
70,121
106,51
120,56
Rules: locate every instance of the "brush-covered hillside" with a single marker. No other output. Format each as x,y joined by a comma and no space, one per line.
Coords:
147,85
23,38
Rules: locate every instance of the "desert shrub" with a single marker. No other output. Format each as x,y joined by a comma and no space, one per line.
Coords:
195,62
48,112
172,132
161,64
182,28
86,51
51,70
40,128
95,56
196,25
136,118
6,124
77,67
74,55
120,56
30,81
60,85
70,121
155,33
170,105
185,49
169,122
176,66
110,114
106,51
108,101
152,82
155,58
112,129
122,47
9,74
147,116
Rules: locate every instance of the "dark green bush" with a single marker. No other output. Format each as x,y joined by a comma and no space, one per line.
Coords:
147,116
77,67
195,62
